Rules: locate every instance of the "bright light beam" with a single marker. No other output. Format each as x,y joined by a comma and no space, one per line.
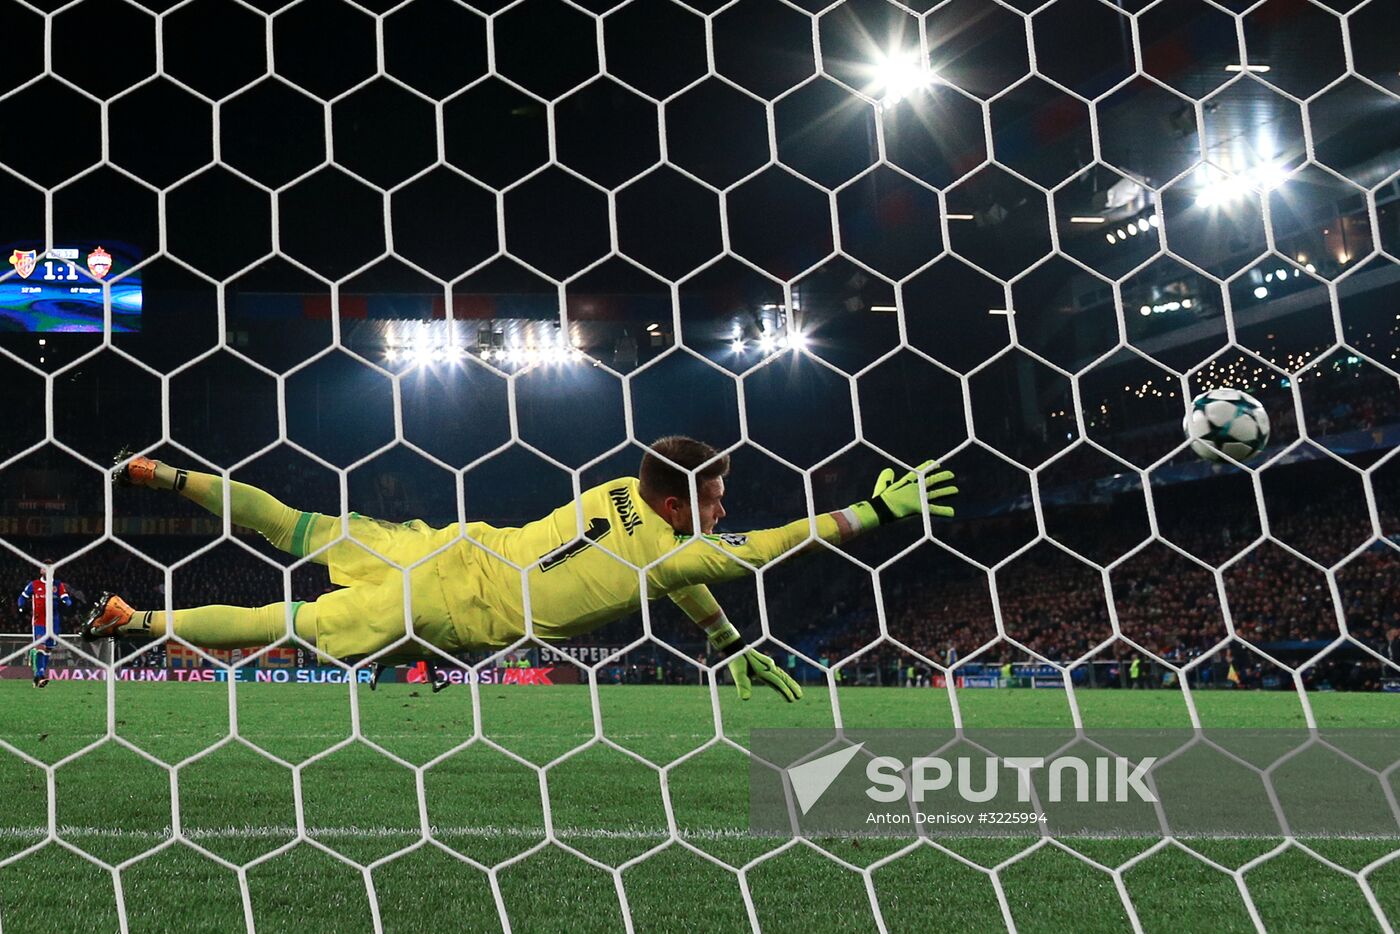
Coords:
1265,177
898,75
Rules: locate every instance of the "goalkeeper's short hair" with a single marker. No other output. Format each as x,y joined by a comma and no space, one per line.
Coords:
660,479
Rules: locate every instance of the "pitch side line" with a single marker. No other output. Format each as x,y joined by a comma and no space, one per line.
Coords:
368,833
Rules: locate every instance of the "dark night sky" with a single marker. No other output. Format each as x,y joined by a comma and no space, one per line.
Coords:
273,166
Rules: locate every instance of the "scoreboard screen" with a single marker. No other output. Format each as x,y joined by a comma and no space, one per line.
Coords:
57,290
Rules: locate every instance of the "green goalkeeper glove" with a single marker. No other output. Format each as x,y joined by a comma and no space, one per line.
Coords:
898,499
751,665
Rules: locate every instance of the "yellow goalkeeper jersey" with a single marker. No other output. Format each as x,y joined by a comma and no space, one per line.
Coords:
582,581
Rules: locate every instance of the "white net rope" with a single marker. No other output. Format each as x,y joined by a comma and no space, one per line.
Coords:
1159,228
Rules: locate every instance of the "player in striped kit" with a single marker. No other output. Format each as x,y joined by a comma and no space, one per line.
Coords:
34,600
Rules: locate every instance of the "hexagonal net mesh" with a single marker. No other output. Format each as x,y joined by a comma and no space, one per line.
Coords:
461,263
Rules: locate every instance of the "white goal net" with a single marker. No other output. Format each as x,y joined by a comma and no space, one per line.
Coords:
460,263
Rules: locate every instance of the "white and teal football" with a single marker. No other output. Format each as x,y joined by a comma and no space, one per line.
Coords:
1229,422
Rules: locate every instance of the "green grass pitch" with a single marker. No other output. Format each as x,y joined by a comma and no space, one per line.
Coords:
117,805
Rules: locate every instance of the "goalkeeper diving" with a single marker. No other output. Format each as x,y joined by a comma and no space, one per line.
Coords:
464,597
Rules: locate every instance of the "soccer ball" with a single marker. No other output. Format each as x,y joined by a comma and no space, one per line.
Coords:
1227,421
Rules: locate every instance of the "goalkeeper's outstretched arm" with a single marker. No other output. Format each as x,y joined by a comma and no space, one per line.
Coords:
711,558
708,559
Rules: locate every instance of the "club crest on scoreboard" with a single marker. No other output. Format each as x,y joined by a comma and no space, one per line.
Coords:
24,261
99,263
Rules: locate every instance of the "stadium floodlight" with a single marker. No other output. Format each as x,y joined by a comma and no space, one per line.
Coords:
1269,175
765,343
1087,219
797,340
1219,192
1261,292
737,346
899,74
1265,177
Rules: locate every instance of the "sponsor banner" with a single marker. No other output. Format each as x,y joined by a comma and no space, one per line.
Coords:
181,656
584,654
1019,670
966,681
41,505
979,681
1098,783
523,676
17,672
325,675
197,675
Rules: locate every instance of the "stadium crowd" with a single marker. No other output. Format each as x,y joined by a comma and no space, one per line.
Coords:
1057,607
1052,605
